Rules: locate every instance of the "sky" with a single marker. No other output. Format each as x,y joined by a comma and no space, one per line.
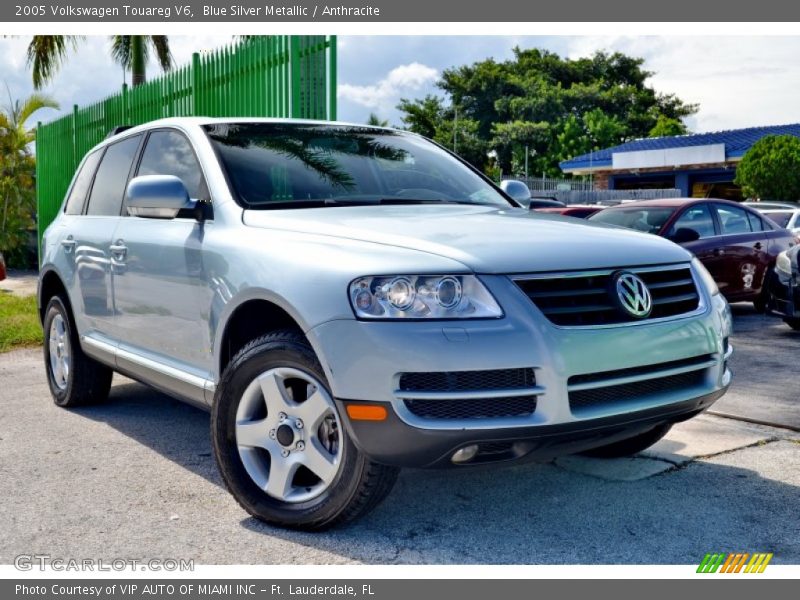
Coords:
737,81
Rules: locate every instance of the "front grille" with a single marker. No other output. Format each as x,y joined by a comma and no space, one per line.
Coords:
459,381
473,408
619,394
585,299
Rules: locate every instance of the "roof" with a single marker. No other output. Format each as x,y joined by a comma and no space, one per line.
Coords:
736,141
668,203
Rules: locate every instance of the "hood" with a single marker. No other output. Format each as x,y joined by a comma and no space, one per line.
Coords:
484,238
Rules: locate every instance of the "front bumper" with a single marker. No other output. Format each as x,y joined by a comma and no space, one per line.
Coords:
364,362
784,294
394,442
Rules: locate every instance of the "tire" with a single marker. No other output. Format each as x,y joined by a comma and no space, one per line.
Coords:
761,303
632,445
74,378
793,322
322,480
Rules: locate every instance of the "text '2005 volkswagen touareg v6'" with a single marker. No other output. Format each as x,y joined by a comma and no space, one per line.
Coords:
349,300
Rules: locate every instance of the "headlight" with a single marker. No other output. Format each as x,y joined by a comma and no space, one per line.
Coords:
422,297
705,277
783,263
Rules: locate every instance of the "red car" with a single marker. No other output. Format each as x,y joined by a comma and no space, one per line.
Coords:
734,242
580,211
2,267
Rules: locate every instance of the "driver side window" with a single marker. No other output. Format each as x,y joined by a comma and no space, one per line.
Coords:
697,218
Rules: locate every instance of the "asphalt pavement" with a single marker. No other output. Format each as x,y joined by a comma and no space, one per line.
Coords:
135,478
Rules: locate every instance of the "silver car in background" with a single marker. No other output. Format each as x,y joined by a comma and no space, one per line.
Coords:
350,300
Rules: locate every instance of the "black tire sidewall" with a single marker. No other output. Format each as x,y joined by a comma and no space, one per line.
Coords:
55,307
243,370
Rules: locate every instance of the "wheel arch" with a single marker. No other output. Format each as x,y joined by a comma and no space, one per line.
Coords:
254,315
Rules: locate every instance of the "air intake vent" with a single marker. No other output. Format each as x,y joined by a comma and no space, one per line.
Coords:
459,381
475,408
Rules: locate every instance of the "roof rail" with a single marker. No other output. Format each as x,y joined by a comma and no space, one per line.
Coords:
118,129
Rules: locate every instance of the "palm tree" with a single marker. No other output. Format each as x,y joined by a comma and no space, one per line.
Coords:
46,53
375,121
17,170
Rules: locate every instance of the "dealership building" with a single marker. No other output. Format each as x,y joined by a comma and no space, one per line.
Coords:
700,165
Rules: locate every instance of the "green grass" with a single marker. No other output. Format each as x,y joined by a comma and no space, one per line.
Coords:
19,323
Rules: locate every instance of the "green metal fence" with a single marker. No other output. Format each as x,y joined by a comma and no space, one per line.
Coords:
269,76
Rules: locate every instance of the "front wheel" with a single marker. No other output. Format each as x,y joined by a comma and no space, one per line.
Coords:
632,445
280,443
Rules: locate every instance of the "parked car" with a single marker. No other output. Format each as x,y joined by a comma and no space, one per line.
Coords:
759,205
786,218
349,300
784,287
2,267
580,211
734,242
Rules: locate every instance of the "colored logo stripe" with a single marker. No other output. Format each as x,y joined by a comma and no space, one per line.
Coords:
734,562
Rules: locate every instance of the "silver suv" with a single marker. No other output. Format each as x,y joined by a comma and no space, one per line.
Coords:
349,300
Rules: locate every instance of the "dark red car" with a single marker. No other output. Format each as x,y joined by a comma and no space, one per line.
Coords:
735,243
580,211
2,267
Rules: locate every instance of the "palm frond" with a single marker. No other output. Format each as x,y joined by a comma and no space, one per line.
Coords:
163,54
46,53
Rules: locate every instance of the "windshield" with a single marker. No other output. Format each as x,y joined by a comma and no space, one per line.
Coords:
275,165
643,218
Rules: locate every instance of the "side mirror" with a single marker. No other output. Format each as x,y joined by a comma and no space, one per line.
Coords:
517,190
156,197
684,235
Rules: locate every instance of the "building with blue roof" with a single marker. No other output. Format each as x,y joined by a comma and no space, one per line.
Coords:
698,164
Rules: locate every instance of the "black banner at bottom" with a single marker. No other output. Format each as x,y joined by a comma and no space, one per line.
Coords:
388,589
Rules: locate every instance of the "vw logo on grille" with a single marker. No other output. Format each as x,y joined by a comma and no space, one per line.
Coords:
632,295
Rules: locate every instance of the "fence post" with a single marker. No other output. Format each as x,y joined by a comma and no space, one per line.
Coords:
197,104
295,71
332,86
74,135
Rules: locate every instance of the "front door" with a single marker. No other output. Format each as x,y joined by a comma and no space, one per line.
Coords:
161,285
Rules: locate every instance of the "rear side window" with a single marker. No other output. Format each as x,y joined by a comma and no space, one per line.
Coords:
756,224
170,153
733,219
112,176
77,195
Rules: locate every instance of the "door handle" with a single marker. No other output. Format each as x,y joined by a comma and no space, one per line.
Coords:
758,246
719,252
118,250
68,244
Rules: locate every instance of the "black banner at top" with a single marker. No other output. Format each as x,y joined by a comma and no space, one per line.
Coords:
395,11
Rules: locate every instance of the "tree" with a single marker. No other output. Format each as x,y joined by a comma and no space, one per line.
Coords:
552,105
665,126
770,170
46,54
17,172
375,121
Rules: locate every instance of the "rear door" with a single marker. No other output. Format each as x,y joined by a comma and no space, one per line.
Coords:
90,240
745,248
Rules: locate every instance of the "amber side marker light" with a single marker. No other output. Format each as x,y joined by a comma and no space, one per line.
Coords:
366,412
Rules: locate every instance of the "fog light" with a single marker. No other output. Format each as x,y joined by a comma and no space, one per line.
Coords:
465,454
